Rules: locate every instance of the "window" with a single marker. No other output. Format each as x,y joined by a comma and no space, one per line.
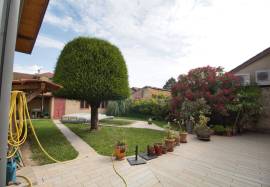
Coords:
244,79
263,77
84,104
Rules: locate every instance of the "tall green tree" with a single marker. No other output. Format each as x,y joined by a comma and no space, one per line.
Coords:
169,84
94,70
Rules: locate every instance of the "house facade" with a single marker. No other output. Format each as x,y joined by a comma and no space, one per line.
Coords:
148,92
53,107
256,70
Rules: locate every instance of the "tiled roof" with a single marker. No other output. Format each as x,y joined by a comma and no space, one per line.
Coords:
251,60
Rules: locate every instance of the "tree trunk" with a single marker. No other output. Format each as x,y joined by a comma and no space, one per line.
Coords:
94,116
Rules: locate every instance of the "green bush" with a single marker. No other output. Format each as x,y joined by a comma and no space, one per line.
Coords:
156,107
118,108
247,107
219,129
193,109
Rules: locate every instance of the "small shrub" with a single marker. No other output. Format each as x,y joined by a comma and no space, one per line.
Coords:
219,129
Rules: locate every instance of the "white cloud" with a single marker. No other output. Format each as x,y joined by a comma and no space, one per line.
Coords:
47,42
31,69
160,39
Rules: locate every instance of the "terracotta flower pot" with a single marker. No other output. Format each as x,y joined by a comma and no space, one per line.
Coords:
177,140
164,149
151,150
169,144
229,132
120,152
183,137
158,148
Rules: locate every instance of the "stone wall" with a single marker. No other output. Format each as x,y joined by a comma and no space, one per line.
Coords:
73,106
264,121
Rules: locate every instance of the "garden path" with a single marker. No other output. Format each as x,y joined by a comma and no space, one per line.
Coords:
139,124
81,146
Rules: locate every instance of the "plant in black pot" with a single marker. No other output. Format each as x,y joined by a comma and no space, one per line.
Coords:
203,132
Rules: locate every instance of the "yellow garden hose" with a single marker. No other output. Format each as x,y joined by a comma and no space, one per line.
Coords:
19,119
27,179
118,172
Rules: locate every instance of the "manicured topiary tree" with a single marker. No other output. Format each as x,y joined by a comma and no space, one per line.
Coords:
93,70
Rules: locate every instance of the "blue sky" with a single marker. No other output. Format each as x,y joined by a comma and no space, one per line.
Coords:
159,39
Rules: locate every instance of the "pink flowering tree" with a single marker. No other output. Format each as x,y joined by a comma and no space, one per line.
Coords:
214,85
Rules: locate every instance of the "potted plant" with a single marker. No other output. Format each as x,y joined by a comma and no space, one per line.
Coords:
169,140
120,150
158,148
121,146
150,150
182,132
164,149
177,139
203,132
234,130
150,121
229,131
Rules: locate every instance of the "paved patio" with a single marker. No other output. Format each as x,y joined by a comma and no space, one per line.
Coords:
225,161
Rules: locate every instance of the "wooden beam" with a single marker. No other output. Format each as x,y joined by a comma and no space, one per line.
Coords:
26,87
32,15
25,37
33,95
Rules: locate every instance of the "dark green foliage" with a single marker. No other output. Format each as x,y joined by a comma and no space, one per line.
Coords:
169,84
219,129
156,107
191,110
91,69
247,107
94,70
115,121
118,108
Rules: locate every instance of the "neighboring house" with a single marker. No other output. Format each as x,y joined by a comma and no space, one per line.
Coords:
148,92
257,70
53,107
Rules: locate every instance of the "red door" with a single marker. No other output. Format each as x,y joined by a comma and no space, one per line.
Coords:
59,108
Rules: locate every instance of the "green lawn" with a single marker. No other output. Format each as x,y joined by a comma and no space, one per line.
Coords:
103,140
53,141
115,121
